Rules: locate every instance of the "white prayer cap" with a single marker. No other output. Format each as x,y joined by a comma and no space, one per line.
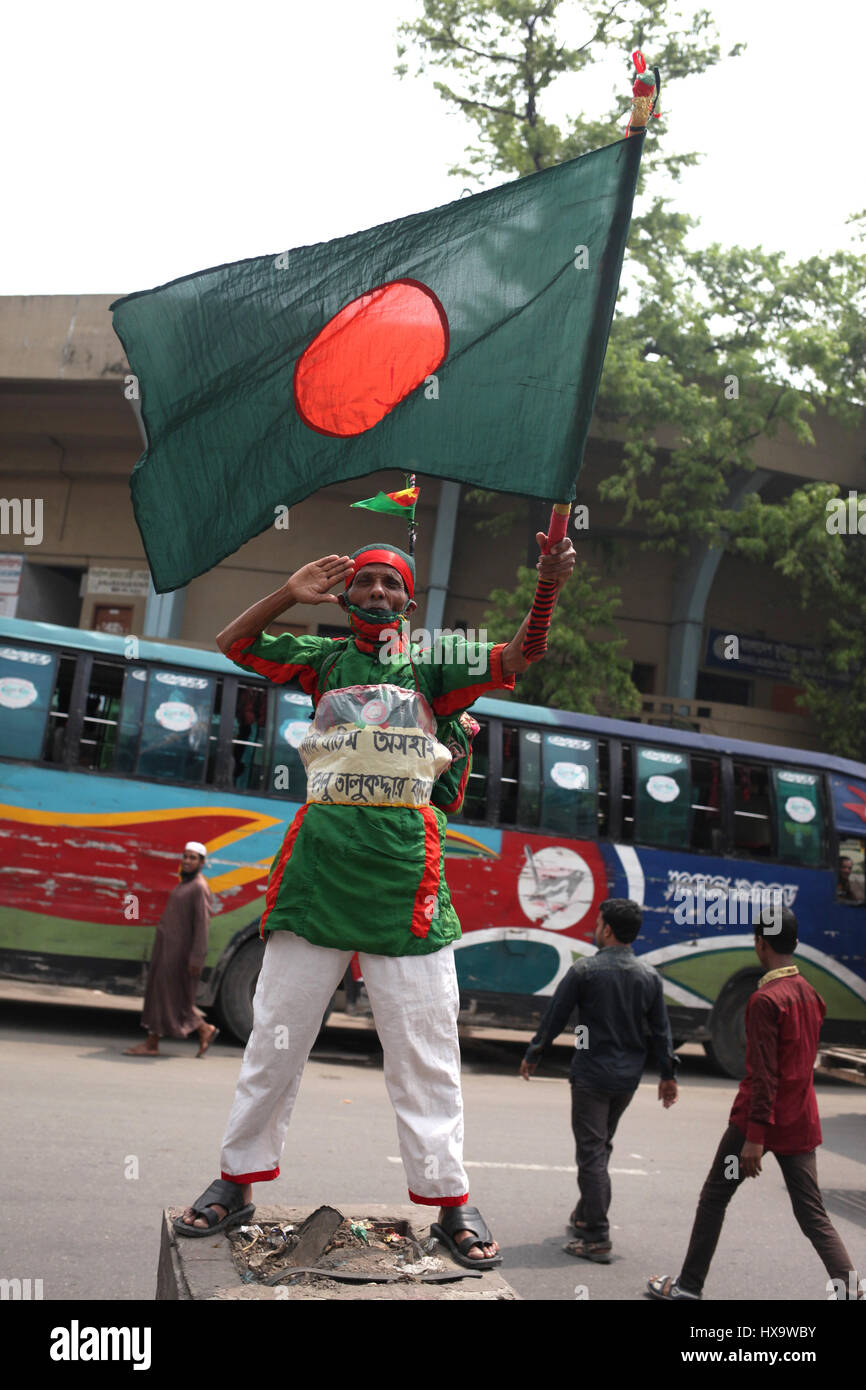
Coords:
196,848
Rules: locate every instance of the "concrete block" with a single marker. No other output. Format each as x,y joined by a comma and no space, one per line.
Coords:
202,1268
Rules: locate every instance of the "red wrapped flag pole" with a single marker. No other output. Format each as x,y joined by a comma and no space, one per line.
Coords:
535,642
644,96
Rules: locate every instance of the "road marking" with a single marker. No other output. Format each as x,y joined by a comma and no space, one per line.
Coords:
539,1167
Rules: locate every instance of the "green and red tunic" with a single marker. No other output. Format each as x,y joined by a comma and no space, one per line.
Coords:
369,877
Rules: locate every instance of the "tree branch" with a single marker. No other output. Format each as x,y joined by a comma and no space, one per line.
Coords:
498,110
453,42
600,28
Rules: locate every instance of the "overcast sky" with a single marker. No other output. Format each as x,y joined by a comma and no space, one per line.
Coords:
148,141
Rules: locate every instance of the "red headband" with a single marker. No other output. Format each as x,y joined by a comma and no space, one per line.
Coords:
383,557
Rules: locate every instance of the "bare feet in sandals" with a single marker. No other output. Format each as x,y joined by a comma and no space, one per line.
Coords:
149,1048
189,1217
206,1035
463,1241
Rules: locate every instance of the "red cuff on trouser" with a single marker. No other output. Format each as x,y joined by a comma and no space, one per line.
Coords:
438,1201
244,1178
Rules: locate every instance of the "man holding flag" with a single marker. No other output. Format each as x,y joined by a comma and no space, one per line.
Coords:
361,869
466,343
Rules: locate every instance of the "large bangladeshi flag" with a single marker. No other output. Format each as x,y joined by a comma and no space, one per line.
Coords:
466,343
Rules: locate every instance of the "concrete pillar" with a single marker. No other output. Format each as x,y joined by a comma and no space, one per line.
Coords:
692,583
440,560
163,613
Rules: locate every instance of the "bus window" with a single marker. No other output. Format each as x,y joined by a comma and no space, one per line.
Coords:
288,775
509,776
176,727
753,830
529,777
213,736
129,724
26,683
627,830
706,831
851,874
248,738
799,822
475,800
663,801
98,740
58,715
603,808
570,786
521,776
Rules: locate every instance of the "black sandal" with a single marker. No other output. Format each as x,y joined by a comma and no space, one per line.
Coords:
465,1219
228,1195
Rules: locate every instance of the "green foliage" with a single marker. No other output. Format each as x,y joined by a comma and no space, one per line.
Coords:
583,669
712,350
827,570
505,54
726,346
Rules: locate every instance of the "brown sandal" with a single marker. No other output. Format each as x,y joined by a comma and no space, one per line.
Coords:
597,1251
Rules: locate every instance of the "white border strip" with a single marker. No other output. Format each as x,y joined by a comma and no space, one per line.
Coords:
633,872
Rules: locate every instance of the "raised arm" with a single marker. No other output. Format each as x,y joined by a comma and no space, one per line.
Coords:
556,567
310,584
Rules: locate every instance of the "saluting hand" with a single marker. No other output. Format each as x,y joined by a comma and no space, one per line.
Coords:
311,583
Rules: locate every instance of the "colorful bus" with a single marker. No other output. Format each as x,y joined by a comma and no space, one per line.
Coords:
115,751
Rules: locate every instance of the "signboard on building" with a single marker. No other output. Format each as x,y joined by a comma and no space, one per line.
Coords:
776,661
127,583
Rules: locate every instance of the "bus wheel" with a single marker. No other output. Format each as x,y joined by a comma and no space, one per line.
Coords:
235,1000
727,1045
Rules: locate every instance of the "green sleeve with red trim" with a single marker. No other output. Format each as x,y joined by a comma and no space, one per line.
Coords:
459,672
284,658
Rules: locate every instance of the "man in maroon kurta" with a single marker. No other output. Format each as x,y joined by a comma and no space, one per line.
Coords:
179,951
775,1111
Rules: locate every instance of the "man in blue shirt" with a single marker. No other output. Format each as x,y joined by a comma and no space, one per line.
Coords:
619,1002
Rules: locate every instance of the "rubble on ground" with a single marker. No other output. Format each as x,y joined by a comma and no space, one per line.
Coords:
327,1249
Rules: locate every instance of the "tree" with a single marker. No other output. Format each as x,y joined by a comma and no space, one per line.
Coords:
721,346
507,54
582,669
821,552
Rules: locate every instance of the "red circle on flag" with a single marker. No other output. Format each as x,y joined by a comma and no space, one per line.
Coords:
369,356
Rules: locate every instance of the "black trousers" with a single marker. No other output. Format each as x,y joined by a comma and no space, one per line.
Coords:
800,1172
594,1118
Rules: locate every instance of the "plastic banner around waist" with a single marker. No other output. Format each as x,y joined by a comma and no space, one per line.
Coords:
373,745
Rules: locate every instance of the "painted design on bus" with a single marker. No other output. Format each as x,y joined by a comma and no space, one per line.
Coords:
76,867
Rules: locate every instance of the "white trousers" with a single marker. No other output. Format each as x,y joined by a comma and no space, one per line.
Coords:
415,1000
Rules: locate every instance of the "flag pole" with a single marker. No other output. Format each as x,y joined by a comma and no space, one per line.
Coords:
644,96
413,529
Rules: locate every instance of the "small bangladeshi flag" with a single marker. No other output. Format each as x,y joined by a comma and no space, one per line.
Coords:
400,503
463,343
